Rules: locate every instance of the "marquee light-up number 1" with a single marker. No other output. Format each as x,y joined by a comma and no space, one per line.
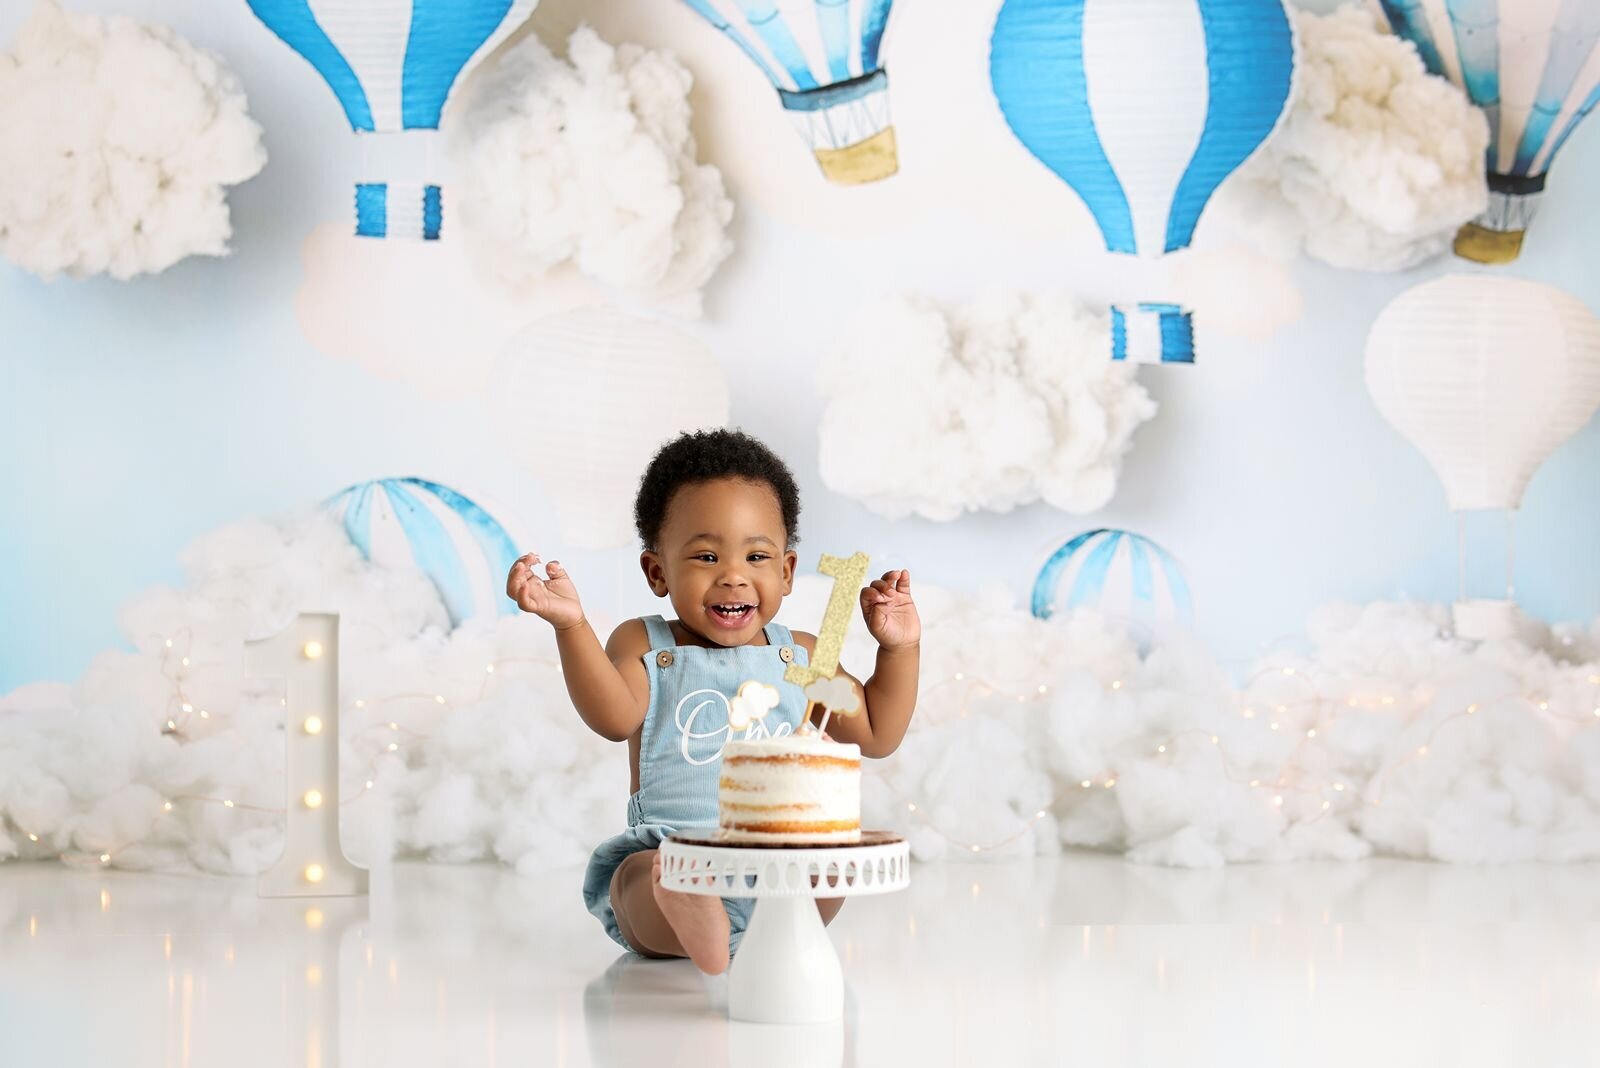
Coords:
849,574
305,655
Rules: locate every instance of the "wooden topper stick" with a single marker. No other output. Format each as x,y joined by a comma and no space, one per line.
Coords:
849,574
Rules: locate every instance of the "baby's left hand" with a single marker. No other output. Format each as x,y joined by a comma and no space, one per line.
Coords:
891,617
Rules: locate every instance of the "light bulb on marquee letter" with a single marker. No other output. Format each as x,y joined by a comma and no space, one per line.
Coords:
306,656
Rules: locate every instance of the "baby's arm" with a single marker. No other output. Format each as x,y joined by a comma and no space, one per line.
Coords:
890,696
608,686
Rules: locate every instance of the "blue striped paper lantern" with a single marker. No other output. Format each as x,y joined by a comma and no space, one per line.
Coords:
392,64
411,522
1144,107
1119,574
823,58
1535,70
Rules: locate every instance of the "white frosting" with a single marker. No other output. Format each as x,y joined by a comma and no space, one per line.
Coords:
800,744
810,793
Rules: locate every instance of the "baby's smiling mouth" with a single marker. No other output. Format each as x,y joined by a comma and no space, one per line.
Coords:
732,612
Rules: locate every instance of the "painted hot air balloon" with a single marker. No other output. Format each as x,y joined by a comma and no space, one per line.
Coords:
1534,68
1144,109
1119,574
392,64
822,56
411,522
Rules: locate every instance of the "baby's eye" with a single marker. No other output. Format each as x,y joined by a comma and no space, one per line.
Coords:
709,558
759,556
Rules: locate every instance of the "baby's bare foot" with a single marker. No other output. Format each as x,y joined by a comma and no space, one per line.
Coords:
700,922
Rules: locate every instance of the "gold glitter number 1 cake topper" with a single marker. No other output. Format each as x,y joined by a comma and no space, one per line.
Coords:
849,574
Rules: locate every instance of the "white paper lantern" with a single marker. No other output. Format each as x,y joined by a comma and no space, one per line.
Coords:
1486,376
584,399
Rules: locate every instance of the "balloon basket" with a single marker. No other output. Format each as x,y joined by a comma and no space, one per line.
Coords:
1482,245
871,160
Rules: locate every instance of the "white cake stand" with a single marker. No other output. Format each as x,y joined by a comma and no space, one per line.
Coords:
786,970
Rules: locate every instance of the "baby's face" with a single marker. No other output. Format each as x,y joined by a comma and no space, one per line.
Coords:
722,558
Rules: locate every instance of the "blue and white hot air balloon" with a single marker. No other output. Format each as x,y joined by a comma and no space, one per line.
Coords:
822,56
410,522
1534,67
392,64
1122,575
1143,107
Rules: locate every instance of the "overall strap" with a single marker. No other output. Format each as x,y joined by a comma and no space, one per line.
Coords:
659,633
778,634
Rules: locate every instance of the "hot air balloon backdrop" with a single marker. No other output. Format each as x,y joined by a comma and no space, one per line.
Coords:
1144,109
1486,376
411,522
1532,65
392,64
1118,573
823,58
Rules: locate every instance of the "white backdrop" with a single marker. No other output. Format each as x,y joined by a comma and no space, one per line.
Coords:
136,416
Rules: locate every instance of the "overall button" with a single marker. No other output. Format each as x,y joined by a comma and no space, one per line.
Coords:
664,658
786,654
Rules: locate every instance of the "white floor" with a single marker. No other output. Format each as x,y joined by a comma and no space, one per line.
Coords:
1079,960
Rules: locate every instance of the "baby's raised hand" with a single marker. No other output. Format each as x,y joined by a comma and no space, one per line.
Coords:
553,599
891,616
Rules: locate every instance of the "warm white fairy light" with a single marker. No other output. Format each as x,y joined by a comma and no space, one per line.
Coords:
312,725
1247,712
187,707
314,873
311,650
312,798
393,746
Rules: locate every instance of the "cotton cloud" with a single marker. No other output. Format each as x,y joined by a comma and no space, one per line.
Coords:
1378,162
1424,745
590,160
501,769
117,142
938,410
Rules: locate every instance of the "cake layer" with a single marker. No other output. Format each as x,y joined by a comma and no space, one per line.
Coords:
791,789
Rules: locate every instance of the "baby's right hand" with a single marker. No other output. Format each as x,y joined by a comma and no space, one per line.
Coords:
553,599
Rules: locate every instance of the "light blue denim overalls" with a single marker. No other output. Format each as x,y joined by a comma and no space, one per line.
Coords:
680,750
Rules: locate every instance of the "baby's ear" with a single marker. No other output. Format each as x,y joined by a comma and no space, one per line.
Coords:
654,573
789,560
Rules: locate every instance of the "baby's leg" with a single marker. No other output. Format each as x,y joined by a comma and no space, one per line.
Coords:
661,923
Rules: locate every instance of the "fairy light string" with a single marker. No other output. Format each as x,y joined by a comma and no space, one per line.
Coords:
1271,717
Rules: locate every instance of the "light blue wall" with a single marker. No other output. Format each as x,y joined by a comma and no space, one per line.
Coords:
134,417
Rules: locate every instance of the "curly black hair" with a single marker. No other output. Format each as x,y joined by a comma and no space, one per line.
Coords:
703,455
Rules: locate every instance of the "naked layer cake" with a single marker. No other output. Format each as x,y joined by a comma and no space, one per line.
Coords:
793,790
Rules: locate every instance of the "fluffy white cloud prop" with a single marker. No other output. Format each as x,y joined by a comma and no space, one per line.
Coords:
117,140
1378,163
501,769
590,159
1424,745
938,410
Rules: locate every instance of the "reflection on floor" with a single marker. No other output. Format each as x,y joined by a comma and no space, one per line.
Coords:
1078,959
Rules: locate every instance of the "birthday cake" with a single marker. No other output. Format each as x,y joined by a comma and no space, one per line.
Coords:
794,790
